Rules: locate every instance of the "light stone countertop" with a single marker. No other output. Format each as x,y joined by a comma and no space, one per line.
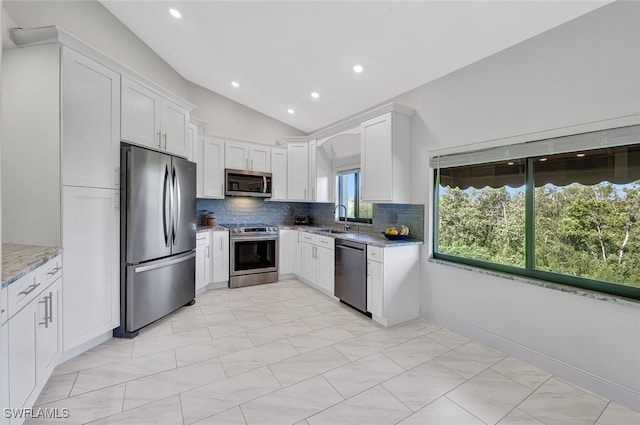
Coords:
201,229
367,238
18,260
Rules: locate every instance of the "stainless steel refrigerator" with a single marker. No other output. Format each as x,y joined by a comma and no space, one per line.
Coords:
158,237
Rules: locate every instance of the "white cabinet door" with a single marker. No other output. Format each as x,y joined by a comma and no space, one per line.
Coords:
22,356
48,331
311,195
286,251
297,171
278,174
90,123
236,155
375,282
91,233
140,122
325,259
213,168
297,254
260,158
192,142
174,121
203,260
309,265
220,252
377,160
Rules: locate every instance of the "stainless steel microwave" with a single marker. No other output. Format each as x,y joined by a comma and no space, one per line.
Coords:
247,183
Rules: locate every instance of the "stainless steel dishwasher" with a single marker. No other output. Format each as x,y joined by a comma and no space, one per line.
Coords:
351,274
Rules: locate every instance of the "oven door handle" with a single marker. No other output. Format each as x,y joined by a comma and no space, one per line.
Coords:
254,238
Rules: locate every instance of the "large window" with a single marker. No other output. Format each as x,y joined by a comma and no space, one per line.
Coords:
349,196
572,217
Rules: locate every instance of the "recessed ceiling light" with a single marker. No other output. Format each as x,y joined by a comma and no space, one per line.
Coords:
291,111
543,159
510,163
175,13
235,84
358,68
315,94
581,155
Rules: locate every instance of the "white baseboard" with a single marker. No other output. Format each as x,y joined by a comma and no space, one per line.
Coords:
598,384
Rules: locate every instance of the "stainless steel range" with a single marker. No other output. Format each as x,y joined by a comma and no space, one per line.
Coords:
253,254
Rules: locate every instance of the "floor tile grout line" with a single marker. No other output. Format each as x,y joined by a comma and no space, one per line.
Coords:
394,396
463,408
601,413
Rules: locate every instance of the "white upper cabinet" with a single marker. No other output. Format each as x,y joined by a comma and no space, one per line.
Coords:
247,156
236,155
150,120
386,159
140,115
311,196
278,174
298,171
212,166
90,123
192,142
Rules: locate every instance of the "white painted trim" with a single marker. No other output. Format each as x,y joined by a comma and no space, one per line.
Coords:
596,383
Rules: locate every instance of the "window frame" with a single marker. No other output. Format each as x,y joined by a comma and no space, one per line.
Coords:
529,271
357,219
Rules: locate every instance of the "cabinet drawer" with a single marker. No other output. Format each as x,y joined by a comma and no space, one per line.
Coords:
202,238
22,291
50,271
324,241
375,253
306,237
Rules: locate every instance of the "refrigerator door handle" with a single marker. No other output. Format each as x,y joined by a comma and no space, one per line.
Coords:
167,202
162,264
178,204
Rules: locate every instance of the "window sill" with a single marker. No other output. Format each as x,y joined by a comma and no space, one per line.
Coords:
354,223
601,296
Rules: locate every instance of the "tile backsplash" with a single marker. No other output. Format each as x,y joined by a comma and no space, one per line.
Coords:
240,210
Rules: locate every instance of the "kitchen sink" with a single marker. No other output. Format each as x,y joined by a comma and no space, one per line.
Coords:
332,231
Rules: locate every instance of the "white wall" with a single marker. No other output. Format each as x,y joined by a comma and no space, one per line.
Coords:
90,22
227,118
584,72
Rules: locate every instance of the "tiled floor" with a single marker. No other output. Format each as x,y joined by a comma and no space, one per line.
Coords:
286,354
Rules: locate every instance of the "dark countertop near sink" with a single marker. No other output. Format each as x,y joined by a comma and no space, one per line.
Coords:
18,260
367,238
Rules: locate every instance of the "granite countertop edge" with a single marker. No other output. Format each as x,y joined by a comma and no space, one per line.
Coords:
200,229
367,238
39,259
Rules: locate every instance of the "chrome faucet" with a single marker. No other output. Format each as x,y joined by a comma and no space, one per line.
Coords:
346,225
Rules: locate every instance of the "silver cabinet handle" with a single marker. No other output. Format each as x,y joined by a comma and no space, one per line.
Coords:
221,244
159,140
50,307
305,194
165,141
208,251
47,304
117,177
54,271
29,289
116,201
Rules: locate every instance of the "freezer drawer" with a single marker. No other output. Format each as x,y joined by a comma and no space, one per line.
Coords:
157,288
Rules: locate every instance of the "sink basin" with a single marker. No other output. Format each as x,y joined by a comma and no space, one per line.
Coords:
332,231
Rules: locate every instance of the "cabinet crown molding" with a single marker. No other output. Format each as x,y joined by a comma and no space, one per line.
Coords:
24,37
351,122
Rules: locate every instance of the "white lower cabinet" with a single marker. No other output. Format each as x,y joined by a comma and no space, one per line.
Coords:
393,283
91,235
31,336
297,253
203,260
220,256
286,251
317,261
